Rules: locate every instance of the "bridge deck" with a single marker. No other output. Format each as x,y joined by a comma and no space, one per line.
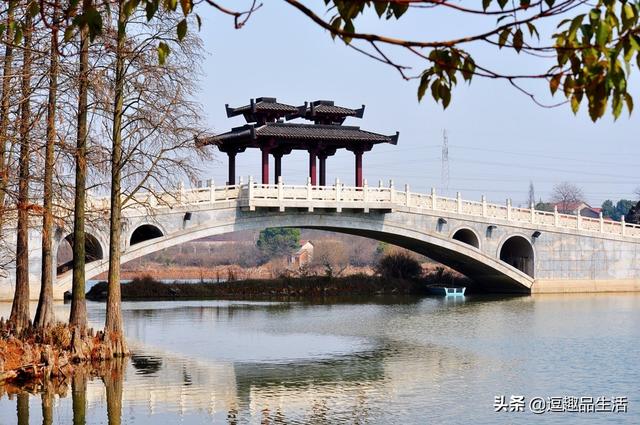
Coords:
382,199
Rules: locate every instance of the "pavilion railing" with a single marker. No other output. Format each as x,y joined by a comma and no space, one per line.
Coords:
339,196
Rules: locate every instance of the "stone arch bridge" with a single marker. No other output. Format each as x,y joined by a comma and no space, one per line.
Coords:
500,247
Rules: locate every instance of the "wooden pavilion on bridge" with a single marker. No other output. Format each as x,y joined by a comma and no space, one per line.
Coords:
267,130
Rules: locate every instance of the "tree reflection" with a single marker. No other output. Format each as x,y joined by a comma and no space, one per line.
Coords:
113,383
47,403
23,408
79,396
111,374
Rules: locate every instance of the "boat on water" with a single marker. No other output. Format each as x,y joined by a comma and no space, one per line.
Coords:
447,291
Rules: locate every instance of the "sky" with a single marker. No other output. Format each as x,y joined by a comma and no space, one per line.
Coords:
499,140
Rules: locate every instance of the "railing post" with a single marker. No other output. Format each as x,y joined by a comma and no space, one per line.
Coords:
250,192
533,213
153,200
624,225
309,188
380,183
212,190
459,202
338,184
434,196
601,222
365,198
509,209
280,194
365,185
556,217
392,192
579,220
181,192
407,192
484,206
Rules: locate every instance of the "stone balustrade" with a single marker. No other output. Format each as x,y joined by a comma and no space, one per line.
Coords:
371,198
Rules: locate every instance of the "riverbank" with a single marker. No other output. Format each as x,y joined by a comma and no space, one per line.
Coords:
35,355
221,273
311,287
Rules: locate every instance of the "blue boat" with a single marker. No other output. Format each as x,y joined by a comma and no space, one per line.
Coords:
447,291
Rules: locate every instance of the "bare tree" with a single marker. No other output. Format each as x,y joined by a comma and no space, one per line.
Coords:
331,254
566,195
7,76
78,314
20,308
152,129
44,312
113,321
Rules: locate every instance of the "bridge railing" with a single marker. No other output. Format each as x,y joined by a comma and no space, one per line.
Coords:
367,197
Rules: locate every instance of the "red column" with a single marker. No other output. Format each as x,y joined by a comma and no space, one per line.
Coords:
312,168
232,168
358,169
265,166
323,170
278,167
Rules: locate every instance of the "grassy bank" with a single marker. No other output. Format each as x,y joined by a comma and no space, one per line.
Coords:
147,288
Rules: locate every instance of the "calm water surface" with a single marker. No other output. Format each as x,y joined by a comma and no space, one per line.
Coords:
398,361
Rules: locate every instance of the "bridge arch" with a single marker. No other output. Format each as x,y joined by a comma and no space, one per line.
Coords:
145,232
518,252
94,251
486,270
467,236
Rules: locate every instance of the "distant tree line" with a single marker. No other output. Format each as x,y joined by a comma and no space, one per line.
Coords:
566,197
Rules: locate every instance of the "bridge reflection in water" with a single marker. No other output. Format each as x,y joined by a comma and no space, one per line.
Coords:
401,360
343,385
162,386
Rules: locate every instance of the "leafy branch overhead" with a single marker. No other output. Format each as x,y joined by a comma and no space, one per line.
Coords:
586,49
595,45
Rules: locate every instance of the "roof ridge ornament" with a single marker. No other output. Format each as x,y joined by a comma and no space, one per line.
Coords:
325,112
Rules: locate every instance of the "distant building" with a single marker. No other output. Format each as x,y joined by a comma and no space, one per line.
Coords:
573,207
303,256
591,212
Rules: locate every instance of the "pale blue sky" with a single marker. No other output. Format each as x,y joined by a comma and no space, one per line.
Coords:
499,140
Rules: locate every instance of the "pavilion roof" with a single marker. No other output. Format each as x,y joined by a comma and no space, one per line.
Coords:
297,136
262,109
326,112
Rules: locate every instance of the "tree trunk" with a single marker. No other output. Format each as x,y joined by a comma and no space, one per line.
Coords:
78,315
20,309
7,76
113,323
44,312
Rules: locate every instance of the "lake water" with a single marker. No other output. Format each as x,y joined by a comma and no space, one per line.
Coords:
381,361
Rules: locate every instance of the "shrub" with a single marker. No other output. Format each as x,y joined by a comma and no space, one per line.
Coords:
399,265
